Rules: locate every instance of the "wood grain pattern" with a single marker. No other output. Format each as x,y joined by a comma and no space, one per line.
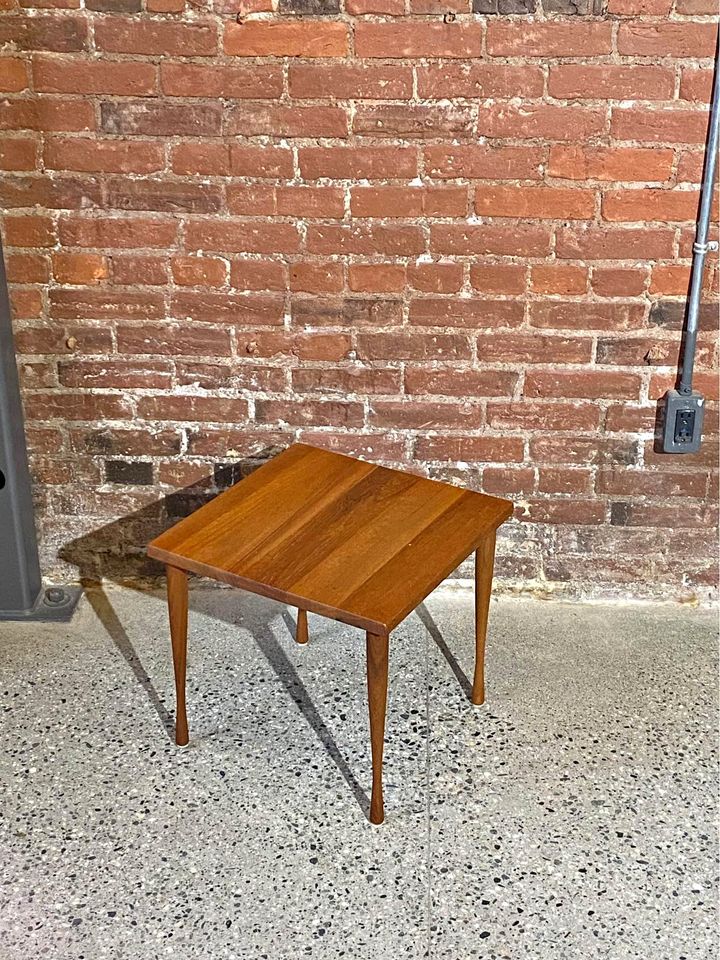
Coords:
301,632
177,593
377,678
484,561
334,535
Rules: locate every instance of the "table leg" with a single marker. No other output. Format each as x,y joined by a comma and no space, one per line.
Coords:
484,560
301,632
177,594
377,676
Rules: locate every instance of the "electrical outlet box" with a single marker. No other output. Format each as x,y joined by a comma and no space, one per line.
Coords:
682,430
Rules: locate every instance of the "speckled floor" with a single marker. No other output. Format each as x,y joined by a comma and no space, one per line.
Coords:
570,818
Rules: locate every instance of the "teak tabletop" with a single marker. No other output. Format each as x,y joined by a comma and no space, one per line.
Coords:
340,537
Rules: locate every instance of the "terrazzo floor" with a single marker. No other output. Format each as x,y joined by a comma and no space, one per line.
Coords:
571,817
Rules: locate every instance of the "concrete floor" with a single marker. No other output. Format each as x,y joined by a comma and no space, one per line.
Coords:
570,818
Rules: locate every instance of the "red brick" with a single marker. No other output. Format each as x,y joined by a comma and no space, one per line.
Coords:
413,346
587,450
99,374
460,383
554,38
412,121
88,407
369,381
547,120
648,205
610,163
103,304
47,116
161,38
639,8
524,348
508,278
27,268
435,277
408,201
242,309
558,278
192,408
519,240
643,483
589,384
659,125
13,74
570,511
539,203
317,277
349,313
57,193
64,340
666,39
171,340
257,275
365,239
466,312
469,449
26,304
610,282
71,75
418,39
319,413
161,118
425,415
706,383
199,271
325,202
605,82
690,166
350,81
580,315
258,38
91,155
483,80
376,277
695,8
351,163
128,233
273,120
595,242
132,270
213,80
61,34
200,158
696,85
262,162
237,374
670,279
164,195
23,230
304,346
18,153
80,268
242,236
479,161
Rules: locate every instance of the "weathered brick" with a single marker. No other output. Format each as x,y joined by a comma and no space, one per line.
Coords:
23,230
401,240
648,205
103,304
257,38
440,80
605,82
242,236
128,233
13,75
227,308
190,407
519,38
70,75
466,312
317,277
659,125
538,203
199,271
376,277
47,116
610,163
529,348
350,163
172,339
330,413
346,381
412,121
272,120
129,472
350,81
521,240
154,118
156,37
408,201
413,346
213,80
547,120
476,161
99,374
348,313
439,277
61,34
594,242
577,315
18,153
666,39
79,268
163,195
590,384
460,383
92,155
421,39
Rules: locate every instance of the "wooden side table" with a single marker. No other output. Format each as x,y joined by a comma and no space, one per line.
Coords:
337,536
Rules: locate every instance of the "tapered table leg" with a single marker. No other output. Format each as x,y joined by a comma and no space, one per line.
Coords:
177,592
377,676
301,632
484,560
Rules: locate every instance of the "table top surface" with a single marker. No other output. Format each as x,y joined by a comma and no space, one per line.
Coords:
337,536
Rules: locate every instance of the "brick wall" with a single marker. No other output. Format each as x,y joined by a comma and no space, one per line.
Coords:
448,239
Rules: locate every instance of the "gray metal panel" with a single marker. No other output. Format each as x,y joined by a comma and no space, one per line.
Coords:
20,580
